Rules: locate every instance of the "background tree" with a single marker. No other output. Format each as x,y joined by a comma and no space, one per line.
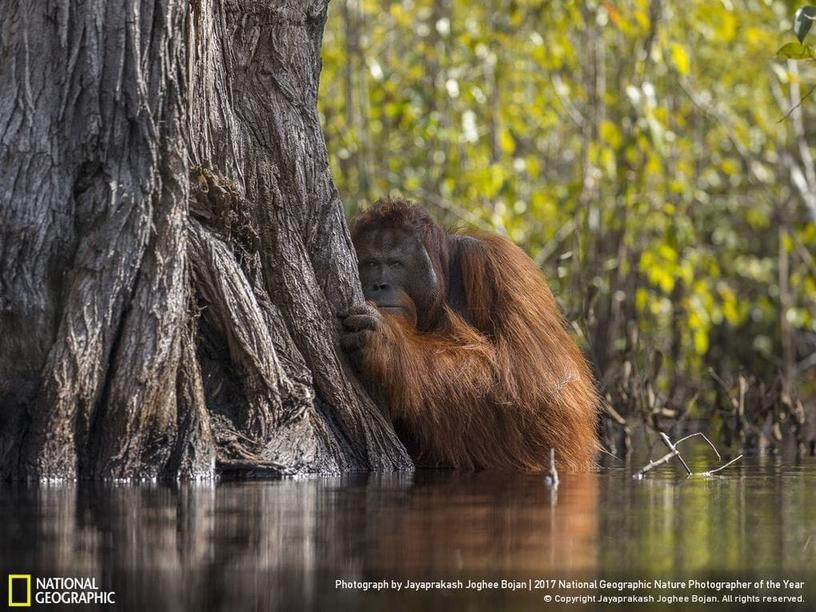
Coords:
173,247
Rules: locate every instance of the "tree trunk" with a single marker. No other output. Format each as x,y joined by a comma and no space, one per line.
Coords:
173,247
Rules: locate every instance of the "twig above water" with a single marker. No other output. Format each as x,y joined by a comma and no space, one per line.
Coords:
722,467
703,436
653,464
674,452
677,454
552,476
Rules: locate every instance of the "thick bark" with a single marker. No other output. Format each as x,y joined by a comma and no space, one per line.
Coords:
173,247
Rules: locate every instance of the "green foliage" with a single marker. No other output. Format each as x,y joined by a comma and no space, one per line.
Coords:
802,22
639,151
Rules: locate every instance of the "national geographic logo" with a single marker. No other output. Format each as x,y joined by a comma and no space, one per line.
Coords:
55,590
19,590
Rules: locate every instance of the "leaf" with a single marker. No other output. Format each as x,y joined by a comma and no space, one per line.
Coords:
614,14
803,20
611,134
796,51
680,58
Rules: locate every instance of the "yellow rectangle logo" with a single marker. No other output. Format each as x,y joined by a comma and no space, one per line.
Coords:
19,604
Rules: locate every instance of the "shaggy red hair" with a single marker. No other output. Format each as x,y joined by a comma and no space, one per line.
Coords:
496,385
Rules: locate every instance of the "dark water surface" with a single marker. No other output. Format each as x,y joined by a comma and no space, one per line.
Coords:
282,545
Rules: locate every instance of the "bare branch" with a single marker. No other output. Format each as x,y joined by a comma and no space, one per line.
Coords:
722,467
797,105
653,464
673,452
668,443
701,434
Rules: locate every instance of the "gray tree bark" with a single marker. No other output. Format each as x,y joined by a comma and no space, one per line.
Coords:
173,248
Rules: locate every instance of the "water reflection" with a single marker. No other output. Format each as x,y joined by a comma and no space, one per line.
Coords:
759,516
282,545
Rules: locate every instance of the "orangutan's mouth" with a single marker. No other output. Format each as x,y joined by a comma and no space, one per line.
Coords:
390,307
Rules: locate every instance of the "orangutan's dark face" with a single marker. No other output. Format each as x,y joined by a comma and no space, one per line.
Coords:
396,272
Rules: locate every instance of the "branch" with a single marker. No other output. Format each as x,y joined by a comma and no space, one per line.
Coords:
722,467
673,452
797,105
653,464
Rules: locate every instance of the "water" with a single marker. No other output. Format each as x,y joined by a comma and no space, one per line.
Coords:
283,545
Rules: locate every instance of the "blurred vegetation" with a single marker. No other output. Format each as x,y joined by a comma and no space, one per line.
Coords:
654,157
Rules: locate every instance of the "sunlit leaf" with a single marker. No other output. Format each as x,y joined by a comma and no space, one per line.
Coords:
506,142
680,59
794,50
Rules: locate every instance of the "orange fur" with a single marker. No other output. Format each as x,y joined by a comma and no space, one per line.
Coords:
497,385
